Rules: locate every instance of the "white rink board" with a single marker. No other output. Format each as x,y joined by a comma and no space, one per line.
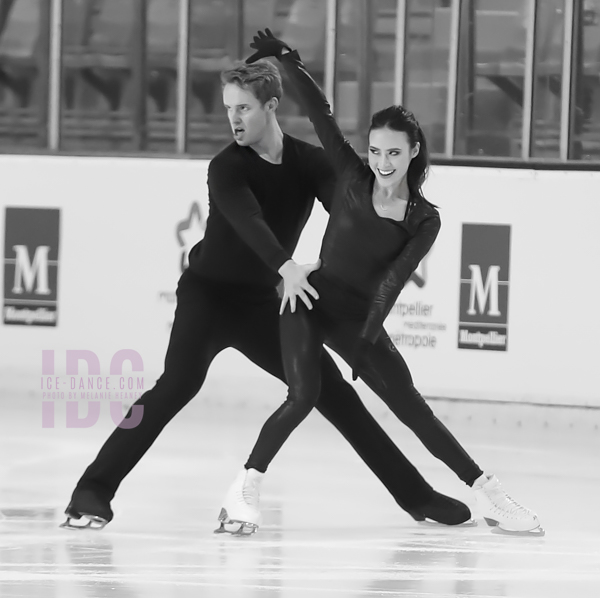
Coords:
120,260
554,294
119,263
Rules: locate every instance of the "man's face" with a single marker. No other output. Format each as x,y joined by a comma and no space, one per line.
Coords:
247,116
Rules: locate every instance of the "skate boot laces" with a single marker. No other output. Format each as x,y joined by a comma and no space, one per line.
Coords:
503,512
503,502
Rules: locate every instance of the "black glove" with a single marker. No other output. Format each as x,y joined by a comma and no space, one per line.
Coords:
266,44
360,358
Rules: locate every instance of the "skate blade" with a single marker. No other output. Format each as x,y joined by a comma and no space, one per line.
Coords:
433,523
93,522
536,532
242,528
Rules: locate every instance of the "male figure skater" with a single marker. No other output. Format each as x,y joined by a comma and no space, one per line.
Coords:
262,188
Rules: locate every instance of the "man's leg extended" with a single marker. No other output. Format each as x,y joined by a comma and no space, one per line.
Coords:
196,337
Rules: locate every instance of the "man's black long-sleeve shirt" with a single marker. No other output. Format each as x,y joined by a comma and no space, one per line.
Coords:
257,211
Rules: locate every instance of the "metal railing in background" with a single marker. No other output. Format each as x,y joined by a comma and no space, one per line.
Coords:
530,24
183,70
514,82
331,50
452,77
567,82
55,67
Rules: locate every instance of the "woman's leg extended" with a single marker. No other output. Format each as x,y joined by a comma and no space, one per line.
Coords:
301,347
196,337
258,339
387,374
339,403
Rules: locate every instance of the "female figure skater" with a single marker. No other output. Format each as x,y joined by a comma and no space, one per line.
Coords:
380,228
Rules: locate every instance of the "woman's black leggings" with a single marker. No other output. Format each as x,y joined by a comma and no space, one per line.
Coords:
386,373
209,318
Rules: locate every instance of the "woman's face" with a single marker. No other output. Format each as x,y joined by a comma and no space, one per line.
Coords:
390,155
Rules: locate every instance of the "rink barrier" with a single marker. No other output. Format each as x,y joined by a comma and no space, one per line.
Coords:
504,308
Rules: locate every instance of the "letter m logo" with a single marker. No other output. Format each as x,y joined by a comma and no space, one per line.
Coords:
26,271
484,293
484,282
31,261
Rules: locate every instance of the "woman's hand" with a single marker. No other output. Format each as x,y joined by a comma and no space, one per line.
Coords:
266,44
295,284
360,357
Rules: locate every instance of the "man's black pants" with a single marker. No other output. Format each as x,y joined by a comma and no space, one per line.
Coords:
209,318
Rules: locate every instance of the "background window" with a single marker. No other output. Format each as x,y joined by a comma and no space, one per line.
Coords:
426,67
547,79
301,23
24,48
215,43
585,112
119,75
365,64
490,77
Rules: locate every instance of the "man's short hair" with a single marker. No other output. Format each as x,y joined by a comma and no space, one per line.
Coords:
262,78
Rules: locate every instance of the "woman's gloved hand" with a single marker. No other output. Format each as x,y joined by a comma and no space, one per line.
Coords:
266,44
360,358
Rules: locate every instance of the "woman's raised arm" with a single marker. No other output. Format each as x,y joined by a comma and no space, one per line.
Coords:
339,151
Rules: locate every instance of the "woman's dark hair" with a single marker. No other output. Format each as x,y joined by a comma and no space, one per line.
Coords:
400,119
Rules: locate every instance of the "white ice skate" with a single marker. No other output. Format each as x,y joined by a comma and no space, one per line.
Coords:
241,506
499,509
